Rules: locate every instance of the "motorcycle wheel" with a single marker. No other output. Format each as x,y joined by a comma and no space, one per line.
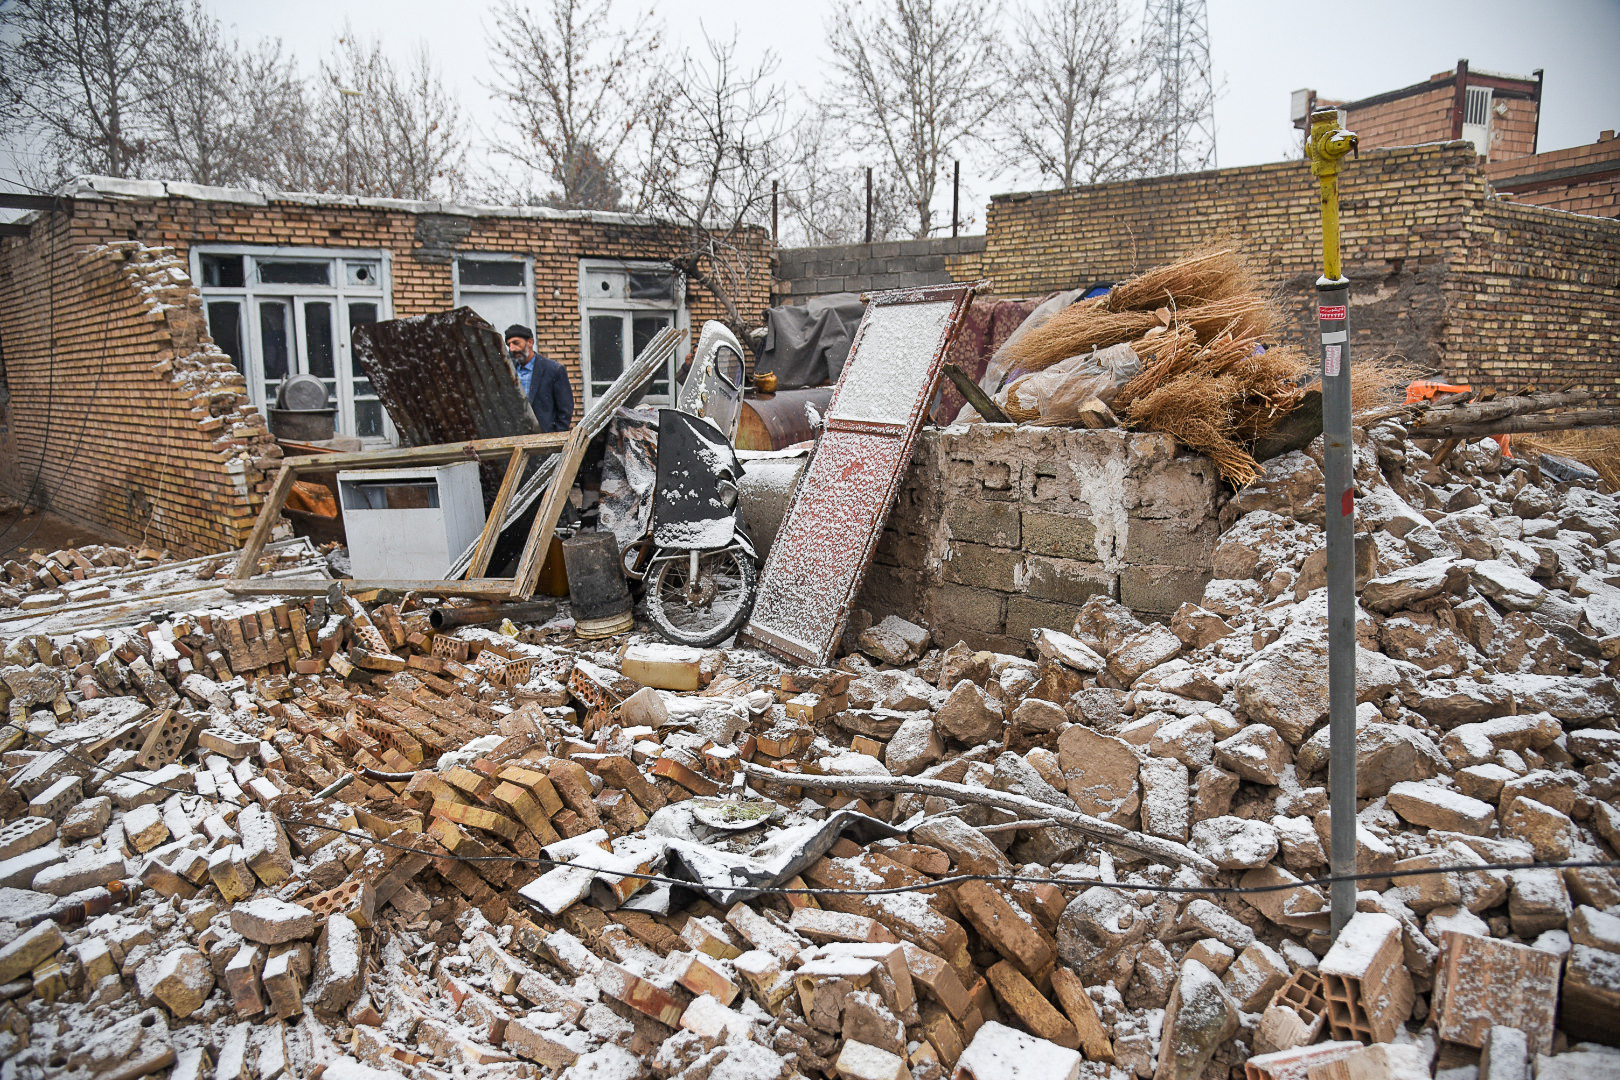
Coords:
706,611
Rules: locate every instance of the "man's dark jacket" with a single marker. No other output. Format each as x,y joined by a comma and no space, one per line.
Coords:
550,394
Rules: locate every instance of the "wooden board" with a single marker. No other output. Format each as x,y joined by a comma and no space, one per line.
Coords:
820,556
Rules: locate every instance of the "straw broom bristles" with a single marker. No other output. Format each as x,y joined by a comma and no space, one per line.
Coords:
1200,278
1078,329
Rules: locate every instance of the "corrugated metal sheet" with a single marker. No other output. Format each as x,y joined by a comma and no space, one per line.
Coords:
444,378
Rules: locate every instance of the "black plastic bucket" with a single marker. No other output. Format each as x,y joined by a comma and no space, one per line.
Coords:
596,587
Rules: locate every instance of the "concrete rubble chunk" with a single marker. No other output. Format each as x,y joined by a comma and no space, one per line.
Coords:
970,715
180,980
999,1052
1436,807
894,641
1102,773
29,949
1199,1019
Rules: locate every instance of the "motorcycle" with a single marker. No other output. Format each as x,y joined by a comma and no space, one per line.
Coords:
698,564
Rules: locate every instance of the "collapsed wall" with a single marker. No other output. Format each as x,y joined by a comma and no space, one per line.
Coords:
123,414
1000,530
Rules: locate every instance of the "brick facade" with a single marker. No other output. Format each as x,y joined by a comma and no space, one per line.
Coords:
1444,274
122,413
1000,530
1433,111
1581,179
52,325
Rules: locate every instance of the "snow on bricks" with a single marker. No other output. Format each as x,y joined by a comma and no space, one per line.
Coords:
476,900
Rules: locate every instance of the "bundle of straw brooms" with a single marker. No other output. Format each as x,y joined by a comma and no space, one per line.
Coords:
1212,374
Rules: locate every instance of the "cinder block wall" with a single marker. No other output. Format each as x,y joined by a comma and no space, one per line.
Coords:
890,264
1443,274
1000,530
122,413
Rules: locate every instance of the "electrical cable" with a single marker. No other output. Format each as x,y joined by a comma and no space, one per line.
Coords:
956,879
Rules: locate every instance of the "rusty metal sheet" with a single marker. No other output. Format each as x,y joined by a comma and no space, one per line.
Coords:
444,378
820,556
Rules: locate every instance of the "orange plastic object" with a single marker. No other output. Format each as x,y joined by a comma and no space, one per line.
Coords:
1428,390
312,498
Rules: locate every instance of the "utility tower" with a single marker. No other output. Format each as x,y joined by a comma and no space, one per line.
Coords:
1178,32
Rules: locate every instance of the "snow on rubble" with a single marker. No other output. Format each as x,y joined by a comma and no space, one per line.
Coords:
258,840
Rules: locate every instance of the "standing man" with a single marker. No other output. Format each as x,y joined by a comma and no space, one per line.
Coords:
545,382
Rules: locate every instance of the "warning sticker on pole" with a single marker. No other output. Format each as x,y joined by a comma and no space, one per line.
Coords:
1330,360
1332,312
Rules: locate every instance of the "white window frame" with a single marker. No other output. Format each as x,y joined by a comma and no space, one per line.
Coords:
339,291
589,305
526,289
1478,100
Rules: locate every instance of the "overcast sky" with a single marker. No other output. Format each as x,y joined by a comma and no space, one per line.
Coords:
1261,50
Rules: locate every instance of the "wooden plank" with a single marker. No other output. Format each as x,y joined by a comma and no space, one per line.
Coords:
493,588
656,353
268,513
492,524
437,454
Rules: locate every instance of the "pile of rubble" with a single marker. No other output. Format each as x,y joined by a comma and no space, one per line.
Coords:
277,839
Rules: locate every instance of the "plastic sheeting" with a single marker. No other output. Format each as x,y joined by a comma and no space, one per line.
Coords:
807,344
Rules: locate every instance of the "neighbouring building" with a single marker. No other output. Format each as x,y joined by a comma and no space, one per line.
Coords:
145,327
1447,273
1501,116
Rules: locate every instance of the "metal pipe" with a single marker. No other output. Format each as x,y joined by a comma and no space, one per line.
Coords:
446,618
956,196
1328,146
869,204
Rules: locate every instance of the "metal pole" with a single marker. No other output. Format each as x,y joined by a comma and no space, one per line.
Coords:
956,196
773,211
1328,145
869,204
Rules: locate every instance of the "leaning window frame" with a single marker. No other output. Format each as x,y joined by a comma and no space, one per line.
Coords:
588,305
526,289
339,291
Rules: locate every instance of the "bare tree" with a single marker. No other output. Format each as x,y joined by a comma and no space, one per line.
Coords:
226,115
1084,108
824,201
917,80
574,92
388,132
70,80
713,147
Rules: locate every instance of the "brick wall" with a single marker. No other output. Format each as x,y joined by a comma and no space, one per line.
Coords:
1581,179
122,413
423,239
889,264
1428,250
1001,530
1421,117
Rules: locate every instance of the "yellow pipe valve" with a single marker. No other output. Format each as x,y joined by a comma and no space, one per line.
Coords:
1327,146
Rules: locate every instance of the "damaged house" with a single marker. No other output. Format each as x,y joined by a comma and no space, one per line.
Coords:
148,326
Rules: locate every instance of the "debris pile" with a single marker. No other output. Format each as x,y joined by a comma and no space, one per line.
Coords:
1189,349
251,841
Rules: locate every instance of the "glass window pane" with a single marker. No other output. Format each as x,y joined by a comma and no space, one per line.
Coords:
368,418
295,272
500,272
360,314
652,285
643,327
607,350
274,338
225,327
223,272
318,338
365,274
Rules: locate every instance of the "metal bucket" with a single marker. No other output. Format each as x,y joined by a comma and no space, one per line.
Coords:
303,425
596,587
